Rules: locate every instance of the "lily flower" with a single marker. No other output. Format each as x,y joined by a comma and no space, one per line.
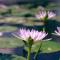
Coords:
57,32
25,34
51,14
42,15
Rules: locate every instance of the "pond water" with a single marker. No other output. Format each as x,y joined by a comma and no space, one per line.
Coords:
42,56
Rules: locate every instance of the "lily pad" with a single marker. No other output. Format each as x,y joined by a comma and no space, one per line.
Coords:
18,58
46,47
6,42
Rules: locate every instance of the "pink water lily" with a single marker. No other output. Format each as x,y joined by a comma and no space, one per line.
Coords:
22,34
51,14
42,14
30,36
35,35
57,32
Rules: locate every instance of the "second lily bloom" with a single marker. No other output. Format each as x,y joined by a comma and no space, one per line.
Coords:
45,14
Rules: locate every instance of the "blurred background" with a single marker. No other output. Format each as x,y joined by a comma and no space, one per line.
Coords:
15,14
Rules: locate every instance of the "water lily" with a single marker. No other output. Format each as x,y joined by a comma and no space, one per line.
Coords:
57,32
25,34
30,36
42,15
36,35
51,14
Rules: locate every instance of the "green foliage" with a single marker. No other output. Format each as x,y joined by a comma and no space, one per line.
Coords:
10,42
47,47
7,28
52,6
18,58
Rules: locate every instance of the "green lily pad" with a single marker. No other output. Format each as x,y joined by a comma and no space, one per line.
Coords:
10,42
46,47
18,58
7,28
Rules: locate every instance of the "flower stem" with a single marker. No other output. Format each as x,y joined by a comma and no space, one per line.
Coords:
29,51
35,57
